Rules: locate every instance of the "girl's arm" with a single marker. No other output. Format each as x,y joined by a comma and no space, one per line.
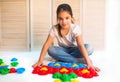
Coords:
45,47
84,52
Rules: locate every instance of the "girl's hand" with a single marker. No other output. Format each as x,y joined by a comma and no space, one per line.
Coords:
37,64
90,65
94,68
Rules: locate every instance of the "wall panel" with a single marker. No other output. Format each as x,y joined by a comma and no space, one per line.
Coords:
40,22
13,25
94,23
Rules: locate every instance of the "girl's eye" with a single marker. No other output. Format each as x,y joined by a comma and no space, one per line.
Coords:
59,18
67,17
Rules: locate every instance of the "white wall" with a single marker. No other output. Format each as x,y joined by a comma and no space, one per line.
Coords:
112,25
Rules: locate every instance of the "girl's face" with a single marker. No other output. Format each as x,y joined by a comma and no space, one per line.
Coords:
64,19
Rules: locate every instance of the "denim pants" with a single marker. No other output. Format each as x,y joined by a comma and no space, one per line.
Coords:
68,54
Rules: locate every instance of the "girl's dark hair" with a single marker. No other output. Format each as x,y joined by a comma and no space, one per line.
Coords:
63,7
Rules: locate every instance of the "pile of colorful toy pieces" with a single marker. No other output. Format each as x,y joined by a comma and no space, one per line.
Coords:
65,72
14,63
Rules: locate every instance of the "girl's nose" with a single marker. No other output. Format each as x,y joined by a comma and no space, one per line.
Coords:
64,21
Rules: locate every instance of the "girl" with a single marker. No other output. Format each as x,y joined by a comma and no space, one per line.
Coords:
71,47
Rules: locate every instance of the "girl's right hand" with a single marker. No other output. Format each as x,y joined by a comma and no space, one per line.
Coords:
94,68
37,64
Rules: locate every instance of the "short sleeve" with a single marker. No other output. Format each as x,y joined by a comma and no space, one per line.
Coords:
77,31
51,31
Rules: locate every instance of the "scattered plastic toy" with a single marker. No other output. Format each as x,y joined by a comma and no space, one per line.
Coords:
14,59
1,61
14,64
12,70
5,70
2,64
20,70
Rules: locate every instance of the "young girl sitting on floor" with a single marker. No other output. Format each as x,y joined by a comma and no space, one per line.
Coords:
71,47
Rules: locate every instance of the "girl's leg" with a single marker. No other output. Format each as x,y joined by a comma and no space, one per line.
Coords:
77,53
68,54
60,54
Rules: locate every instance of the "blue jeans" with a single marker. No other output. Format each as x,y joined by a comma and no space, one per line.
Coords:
68,54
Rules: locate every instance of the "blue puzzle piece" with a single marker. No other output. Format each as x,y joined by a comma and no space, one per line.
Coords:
6,66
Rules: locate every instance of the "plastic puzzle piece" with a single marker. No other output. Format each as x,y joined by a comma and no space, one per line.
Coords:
84,71
64,70
14,64
65,77
4,71
1,61
69,65
56,75
2,64
63,64
82,65
57,65
51,64
93,72
14,59
20,70
41,70
57,80
75,80
75,66
56,70
73,75
5,66
12,70
51,70
36,70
